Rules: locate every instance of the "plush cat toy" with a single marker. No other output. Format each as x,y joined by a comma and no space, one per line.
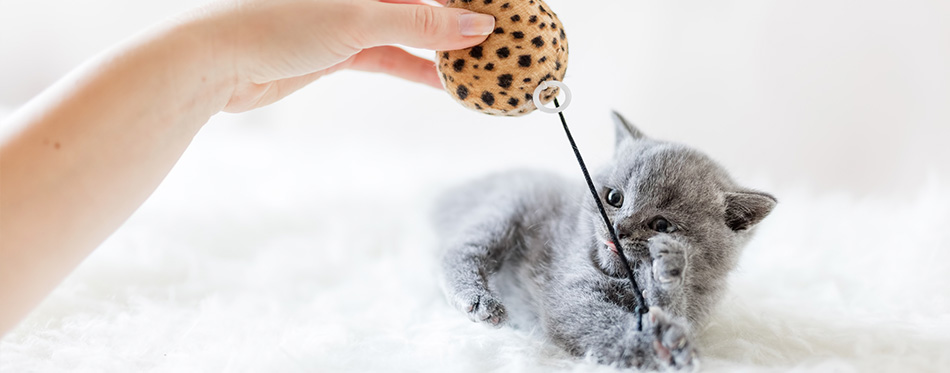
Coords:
499,76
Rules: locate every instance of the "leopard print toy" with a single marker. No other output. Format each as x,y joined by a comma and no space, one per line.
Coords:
499,76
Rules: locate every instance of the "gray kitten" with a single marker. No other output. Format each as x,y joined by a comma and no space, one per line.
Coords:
530,249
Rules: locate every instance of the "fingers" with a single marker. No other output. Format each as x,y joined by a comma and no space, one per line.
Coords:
424,26
388,60
397,62
423,2
416,2
251,96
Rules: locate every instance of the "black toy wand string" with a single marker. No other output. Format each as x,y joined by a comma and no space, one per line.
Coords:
641,307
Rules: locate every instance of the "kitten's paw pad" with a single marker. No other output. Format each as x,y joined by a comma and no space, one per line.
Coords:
669,260
672,346
485,308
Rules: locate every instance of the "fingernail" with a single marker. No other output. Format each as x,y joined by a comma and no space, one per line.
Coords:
475,24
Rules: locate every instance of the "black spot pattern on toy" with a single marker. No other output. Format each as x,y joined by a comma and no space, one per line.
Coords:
511,66
488,98
524,61
476,52
538,42
504,81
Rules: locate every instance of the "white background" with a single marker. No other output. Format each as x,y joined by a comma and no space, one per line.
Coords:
846,96
294,238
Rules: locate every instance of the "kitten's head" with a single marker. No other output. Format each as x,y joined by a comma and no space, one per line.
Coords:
655,187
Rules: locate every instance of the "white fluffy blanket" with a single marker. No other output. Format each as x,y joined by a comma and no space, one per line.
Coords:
277,247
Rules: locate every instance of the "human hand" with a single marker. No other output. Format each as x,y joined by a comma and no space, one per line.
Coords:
271,48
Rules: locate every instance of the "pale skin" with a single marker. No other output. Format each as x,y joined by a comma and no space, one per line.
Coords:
77,160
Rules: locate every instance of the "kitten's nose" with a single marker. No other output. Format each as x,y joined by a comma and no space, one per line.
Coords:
622,233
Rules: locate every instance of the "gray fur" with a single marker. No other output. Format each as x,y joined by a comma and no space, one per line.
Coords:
529,249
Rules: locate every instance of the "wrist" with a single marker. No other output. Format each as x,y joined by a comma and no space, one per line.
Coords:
205,49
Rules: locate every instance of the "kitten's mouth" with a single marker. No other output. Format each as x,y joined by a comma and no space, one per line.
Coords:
631,248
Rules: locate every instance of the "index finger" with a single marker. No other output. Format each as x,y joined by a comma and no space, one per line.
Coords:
424,26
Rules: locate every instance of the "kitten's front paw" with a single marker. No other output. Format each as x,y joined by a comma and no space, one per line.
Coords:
672,346
482,307
669,260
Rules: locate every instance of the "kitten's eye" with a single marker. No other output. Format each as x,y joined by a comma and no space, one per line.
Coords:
614,198
662,225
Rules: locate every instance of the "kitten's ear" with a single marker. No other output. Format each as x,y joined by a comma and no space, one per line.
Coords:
747,208
624,129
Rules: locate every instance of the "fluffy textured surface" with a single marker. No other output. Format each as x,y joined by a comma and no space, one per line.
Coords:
272,248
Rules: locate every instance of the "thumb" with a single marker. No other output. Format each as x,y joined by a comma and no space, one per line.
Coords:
428,27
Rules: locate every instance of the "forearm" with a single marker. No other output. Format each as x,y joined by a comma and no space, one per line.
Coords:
82,156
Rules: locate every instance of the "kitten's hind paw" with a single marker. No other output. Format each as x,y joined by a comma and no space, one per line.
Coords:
483,308
672,346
